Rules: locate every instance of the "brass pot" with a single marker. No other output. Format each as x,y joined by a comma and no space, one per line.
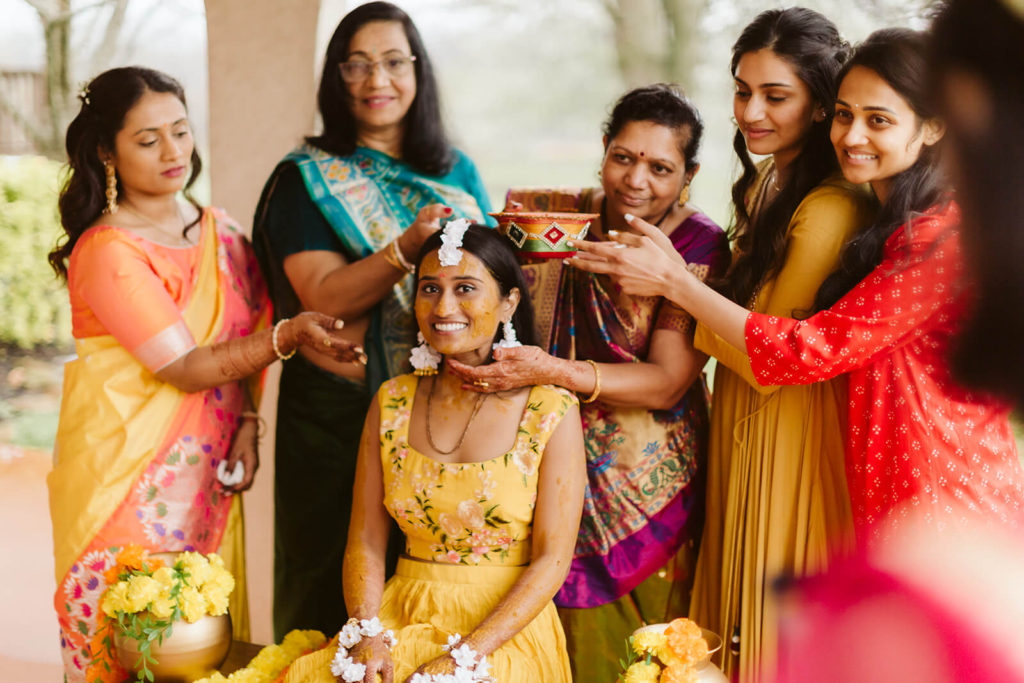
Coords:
191,651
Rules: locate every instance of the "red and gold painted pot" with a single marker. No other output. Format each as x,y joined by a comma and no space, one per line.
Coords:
543,234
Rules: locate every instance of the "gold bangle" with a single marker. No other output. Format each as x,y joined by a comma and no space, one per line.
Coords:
273,341
261,424
400,257
597,383
389,256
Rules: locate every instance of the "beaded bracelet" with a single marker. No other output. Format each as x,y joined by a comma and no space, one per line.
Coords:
597,384
273,341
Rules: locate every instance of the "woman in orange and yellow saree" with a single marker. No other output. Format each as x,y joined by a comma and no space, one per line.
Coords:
167,306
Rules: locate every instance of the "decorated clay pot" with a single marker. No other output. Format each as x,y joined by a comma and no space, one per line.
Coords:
543,234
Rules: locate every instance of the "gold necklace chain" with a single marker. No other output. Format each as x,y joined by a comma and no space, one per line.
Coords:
430,437
179,236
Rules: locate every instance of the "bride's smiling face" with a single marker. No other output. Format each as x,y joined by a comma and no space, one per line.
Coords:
459,308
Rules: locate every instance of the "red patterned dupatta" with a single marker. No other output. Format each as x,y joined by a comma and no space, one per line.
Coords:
135,460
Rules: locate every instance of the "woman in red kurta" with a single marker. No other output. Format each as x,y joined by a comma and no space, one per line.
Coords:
918,445
914,435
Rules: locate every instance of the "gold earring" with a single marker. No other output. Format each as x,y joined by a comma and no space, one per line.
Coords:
684,196
111,187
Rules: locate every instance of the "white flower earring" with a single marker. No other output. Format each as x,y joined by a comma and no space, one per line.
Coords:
508,339
424,358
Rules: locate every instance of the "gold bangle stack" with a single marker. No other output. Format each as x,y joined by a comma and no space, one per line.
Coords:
394,256
273,341
597,383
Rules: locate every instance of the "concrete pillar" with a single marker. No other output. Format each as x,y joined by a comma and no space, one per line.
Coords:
262,56
262,92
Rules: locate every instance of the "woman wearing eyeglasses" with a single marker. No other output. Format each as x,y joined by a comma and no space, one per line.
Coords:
339,222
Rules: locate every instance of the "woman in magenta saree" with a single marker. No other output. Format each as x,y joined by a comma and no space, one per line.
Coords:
643,404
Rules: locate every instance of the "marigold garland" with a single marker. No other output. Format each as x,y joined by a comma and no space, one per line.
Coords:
270,664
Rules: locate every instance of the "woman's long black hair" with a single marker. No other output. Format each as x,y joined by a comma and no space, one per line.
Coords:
105,102
977,64
899,57
501,262
813,47
425,146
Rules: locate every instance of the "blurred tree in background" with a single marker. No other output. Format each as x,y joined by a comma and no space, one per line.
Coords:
34,302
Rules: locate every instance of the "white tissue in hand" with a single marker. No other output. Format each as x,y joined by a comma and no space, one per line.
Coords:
234,477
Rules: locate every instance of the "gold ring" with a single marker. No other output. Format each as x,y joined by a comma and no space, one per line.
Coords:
327,342
481,383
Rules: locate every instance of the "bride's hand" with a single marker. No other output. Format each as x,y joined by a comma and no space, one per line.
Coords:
643,264
374,654
443,665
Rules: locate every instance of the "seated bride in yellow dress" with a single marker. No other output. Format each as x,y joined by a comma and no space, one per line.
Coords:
487,489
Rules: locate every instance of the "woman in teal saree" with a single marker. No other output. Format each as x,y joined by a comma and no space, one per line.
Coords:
340,219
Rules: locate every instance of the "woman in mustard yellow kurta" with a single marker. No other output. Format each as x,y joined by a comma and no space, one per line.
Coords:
487,489
777,502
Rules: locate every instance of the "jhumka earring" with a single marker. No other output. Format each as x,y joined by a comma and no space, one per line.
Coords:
108,167
424,358
508,339
684,196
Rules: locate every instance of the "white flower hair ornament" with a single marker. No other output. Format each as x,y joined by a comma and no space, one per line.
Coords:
450,253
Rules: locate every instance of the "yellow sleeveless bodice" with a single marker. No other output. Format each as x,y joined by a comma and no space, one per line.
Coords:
465,513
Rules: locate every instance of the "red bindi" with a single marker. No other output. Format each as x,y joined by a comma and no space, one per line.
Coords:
642,154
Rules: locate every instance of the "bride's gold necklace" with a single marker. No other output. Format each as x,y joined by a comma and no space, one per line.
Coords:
430,437
178,237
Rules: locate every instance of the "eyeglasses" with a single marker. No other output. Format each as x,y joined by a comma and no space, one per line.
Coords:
360,70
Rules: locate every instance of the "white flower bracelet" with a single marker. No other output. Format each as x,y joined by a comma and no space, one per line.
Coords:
352,633
470,666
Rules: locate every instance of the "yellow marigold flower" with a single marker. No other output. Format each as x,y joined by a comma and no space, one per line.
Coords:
641,672
247,675
197,567
116,599
142,590
270,661
193,605
678,674
215,560
216,600
166,577
647,641
163,606
299,642
217,677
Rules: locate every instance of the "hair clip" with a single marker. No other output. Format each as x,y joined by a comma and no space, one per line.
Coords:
451,239
83,94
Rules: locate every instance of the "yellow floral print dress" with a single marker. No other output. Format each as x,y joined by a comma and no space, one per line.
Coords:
468,536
